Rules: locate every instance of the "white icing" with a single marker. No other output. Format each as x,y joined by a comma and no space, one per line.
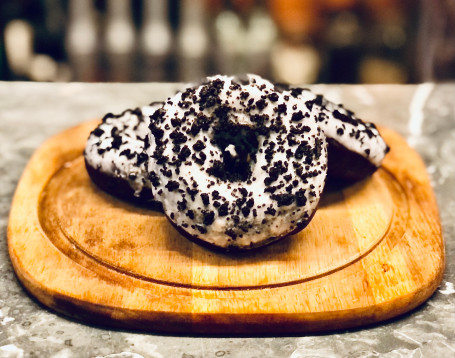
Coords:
231,149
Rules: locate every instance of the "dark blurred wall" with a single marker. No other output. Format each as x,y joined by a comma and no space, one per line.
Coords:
296,41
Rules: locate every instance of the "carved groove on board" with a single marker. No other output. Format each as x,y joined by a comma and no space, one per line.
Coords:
50,221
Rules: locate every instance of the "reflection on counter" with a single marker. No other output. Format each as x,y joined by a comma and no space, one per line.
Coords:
293,41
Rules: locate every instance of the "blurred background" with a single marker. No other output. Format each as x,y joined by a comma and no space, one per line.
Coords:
293,41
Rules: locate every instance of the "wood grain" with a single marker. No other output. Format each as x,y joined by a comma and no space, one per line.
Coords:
374,250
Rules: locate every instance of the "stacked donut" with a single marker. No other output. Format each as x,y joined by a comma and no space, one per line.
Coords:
115,155
236,163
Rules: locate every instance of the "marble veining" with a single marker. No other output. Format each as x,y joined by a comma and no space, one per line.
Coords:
31,112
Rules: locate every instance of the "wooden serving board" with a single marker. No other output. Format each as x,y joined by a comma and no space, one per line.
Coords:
373,251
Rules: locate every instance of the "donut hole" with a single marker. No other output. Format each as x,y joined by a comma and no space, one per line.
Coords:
239,145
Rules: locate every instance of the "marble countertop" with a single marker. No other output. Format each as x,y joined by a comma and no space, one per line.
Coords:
32,112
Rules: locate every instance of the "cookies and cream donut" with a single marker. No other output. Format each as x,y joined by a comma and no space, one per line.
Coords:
356,148
235,163
115,155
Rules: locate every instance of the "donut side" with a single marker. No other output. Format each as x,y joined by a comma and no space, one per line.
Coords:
121,189
347,165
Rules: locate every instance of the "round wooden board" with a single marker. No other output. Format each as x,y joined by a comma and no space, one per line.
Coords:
374,250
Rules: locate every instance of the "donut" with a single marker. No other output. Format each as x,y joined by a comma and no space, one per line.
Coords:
236,164
115,155
355,148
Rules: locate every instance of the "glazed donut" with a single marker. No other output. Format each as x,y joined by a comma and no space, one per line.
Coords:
115,155
235,163
355,148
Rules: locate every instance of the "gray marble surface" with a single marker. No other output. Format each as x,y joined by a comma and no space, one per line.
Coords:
32,112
